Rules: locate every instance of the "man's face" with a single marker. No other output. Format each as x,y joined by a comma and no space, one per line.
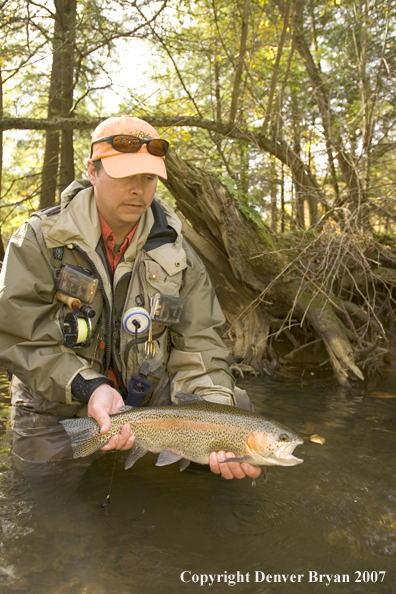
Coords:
122,200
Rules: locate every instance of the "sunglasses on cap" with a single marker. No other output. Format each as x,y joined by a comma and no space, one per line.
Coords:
126,143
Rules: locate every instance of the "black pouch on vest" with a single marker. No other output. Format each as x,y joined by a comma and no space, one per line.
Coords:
138,388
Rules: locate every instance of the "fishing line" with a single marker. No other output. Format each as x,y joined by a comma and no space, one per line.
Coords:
107,502
264,476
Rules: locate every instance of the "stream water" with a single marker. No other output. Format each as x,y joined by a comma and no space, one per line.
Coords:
167,532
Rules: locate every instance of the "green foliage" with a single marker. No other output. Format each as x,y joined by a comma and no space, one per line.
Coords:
192,50
248,206
26,60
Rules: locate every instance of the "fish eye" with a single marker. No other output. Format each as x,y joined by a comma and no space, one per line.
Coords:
283,437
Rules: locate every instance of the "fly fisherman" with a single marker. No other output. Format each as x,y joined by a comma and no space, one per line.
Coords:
103,302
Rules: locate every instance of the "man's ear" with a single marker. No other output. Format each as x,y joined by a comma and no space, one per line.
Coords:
91,172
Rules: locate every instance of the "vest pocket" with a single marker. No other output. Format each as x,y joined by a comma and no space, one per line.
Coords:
161,282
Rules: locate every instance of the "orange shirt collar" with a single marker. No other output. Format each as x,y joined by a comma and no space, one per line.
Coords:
109,241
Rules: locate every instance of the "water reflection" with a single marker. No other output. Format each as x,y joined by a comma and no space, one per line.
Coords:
336,513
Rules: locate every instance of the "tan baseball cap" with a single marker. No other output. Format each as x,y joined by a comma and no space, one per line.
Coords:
118,164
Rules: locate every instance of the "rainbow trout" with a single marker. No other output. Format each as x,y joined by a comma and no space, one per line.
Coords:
190,432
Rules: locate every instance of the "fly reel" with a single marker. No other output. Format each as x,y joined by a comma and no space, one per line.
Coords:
77,330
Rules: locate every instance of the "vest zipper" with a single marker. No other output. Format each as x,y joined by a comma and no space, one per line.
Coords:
113,316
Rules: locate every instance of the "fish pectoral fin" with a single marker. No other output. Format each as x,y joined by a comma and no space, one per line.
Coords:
167,457
240,460
187,398
184,463
136,452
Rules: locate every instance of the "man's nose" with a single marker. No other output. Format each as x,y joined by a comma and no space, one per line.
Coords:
136,185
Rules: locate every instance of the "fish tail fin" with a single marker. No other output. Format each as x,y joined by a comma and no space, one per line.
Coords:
83,435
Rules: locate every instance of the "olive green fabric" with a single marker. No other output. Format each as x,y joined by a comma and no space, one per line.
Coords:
31,345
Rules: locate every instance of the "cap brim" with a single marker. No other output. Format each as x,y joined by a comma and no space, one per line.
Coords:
125,164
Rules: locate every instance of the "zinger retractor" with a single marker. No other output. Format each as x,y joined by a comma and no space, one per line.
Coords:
136,320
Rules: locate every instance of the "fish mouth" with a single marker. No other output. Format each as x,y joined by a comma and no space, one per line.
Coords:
284,454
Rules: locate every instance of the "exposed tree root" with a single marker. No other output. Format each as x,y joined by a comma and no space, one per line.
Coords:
323,289
240,369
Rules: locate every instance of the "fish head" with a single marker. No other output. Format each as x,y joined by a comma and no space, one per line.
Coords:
273,447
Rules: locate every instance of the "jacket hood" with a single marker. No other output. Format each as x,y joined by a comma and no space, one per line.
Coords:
72,190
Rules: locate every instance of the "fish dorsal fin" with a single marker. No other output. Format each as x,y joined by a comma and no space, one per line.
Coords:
187,398
166,457
126,408
136,452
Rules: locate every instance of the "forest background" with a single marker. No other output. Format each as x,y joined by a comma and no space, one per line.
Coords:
281,116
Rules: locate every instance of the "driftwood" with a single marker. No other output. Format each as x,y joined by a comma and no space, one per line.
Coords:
265,289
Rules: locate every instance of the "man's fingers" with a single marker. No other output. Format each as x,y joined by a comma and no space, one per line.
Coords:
122,441
230,470
112,444
225,469
129,443
214,464
234,468
124,437
250,470
105,423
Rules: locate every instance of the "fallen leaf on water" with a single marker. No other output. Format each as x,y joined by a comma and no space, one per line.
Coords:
382,395
317,439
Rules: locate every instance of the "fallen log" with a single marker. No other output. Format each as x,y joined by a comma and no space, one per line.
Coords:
258,281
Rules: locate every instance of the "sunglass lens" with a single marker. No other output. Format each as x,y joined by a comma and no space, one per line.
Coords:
126,144
157,147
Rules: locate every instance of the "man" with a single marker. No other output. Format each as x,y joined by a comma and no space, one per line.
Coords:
102,301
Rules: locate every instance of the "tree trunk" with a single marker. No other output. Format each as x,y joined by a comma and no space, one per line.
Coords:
225,239
254,282
275,72
60,102
1,160
274,196
241,57
330,128
49,174
68,64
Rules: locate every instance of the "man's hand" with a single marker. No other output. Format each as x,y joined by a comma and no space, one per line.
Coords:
232,470
103,402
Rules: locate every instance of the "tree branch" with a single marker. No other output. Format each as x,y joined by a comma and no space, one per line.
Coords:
279,148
